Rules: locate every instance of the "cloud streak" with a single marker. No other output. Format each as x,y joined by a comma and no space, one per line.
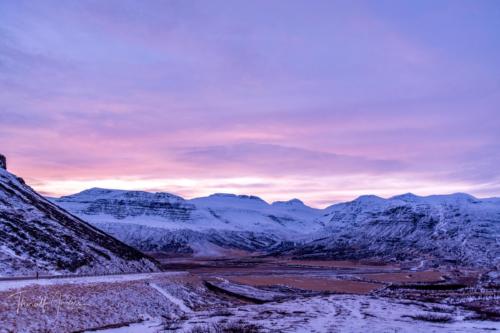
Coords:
276,160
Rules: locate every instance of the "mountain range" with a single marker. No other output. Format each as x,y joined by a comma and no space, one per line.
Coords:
456,229
211,225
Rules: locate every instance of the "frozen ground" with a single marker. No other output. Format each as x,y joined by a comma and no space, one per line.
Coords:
76,304
181,302
172,298
330,314
150,326
246,291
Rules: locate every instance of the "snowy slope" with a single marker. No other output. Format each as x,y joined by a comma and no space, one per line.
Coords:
205,226
36,235
455,228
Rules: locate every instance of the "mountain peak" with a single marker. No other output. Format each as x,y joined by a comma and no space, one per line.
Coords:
462,195
102,193
99,190
293,202
409,197
93,192
368,198
235,196
453,197
221,197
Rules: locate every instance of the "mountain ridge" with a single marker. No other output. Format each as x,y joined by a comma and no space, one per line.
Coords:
224,221
454,227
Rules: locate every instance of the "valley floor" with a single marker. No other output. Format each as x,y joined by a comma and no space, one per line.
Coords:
261,294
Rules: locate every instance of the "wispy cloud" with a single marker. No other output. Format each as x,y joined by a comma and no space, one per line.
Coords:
321,100
269,159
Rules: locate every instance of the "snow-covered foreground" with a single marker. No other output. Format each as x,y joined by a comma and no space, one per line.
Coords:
181,302
172,298
329,314
77,304
150,326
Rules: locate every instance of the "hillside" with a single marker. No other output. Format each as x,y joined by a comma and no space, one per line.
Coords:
38,236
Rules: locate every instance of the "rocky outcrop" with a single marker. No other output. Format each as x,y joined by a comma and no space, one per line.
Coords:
3,162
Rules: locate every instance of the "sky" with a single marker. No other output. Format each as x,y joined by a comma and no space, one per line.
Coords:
318,100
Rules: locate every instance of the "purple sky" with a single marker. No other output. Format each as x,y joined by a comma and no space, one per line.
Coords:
321,100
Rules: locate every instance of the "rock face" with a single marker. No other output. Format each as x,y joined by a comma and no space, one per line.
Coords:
455,229
3,162
38,236
205,226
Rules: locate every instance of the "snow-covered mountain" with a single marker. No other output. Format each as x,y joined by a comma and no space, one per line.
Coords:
456,228
38,236
207,226
451,228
